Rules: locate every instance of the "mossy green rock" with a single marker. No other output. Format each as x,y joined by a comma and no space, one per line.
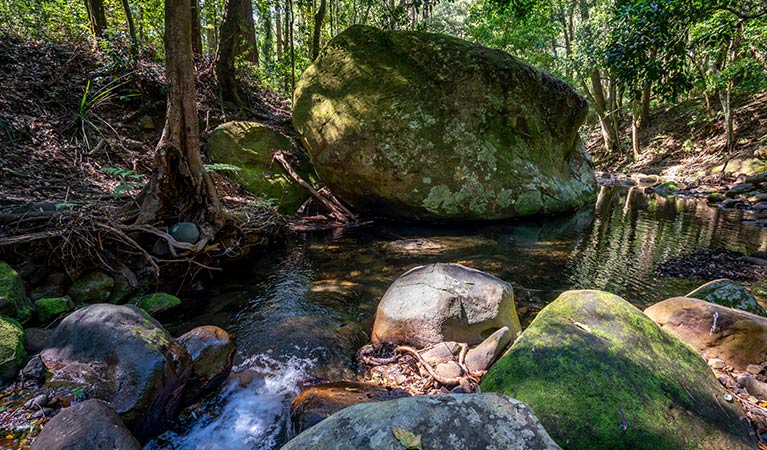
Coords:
13,297
728,293
600,374
159,302
11,348
93,287
48,308
426,126
250,146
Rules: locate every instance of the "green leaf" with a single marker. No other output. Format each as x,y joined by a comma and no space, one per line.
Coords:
220,167
408,440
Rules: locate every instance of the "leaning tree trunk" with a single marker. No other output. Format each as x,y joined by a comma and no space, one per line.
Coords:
97,17
131,31
179,187
227,52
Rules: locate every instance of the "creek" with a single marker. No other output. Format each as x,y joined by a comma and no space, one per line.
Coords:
299,314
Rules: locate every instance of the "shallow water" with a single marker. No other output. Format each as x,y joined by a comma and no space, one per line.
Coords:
302,313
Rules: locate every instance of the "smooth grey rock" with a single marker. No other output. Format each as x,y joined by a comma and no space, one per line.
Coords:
185,232
449,369
462,421
754,386
482,356
444,302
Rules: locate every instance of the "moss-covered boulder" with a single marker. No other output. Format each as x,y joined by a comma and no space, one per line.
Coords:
13,297
250,146
11,348
159,302
728,293
600,374
420,125
50,307
92,287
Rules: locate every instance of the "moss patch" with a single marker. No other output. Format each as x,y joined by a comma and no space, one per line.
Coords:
159,302
13,298
48,308
11,348
93,287
600,374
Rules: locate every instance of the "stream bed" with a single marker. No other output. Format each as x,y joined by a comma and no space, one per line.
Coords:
299,314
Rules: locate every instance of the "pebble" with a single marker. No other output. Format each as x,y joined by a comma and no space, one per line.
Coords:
754,369
716,363
449,369
728,397
39,400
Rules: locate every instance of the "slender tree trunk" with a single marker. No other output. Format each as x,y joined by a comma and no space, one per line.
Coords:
292,47
278,31
267,49
179,188
211,34
248,33
131,31
319,16
196,29
227,52
97,16
636,112
644,117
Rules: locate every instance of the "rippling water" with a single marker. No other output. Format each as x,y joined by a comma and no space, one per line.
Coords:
303,312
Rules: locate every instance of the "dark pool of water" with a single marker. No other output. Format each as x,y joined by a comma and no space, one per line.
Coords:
303,312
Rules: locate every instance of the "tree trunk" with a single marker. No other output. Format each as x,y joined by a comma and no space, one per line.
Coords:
725,97
179,188
644,117
267,49
278,26
97,16
289,13
211,35
319,16
636,113
606,123
248,33
131,31
227,52
196,29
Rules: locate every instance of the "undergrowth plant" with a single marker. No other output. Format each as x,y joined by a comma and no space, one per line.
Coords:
129,180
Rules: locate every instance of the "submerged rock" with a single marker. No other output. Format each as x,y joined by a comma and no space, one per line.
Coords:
426,126
444,302
11,349
93,287
316,403
737,337
250,146
730,294
121,355
89,425
465,421
212,351
13,297
600,374
159,302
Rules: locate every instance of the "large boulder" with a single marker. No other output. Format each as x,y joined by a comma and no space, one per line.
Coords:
444,302
88,425
212,351
13,297
600,374
730,294
316,403
250,146
464,421
737,337
11,348
121,355
426,126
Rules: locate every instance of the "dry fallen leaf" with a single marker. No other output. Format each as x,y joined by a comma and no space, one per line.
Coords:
408,440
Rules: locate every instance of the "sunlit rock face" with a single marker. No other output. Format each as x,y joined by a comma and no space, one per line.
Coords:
426,126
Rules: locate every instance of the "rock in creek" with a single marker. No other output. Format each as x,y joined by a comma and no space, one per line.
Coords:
426,126
316,403
11,349
737,337
124,357
601,375
444,302
212,351
90,425
13,296
465,421
730,294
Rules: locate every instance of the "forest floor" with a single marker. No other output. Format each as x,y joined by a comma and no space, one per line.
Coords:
682,142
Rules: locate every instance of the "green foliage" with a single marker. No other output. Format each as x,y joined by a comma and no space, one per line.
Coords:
126,176
221,167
